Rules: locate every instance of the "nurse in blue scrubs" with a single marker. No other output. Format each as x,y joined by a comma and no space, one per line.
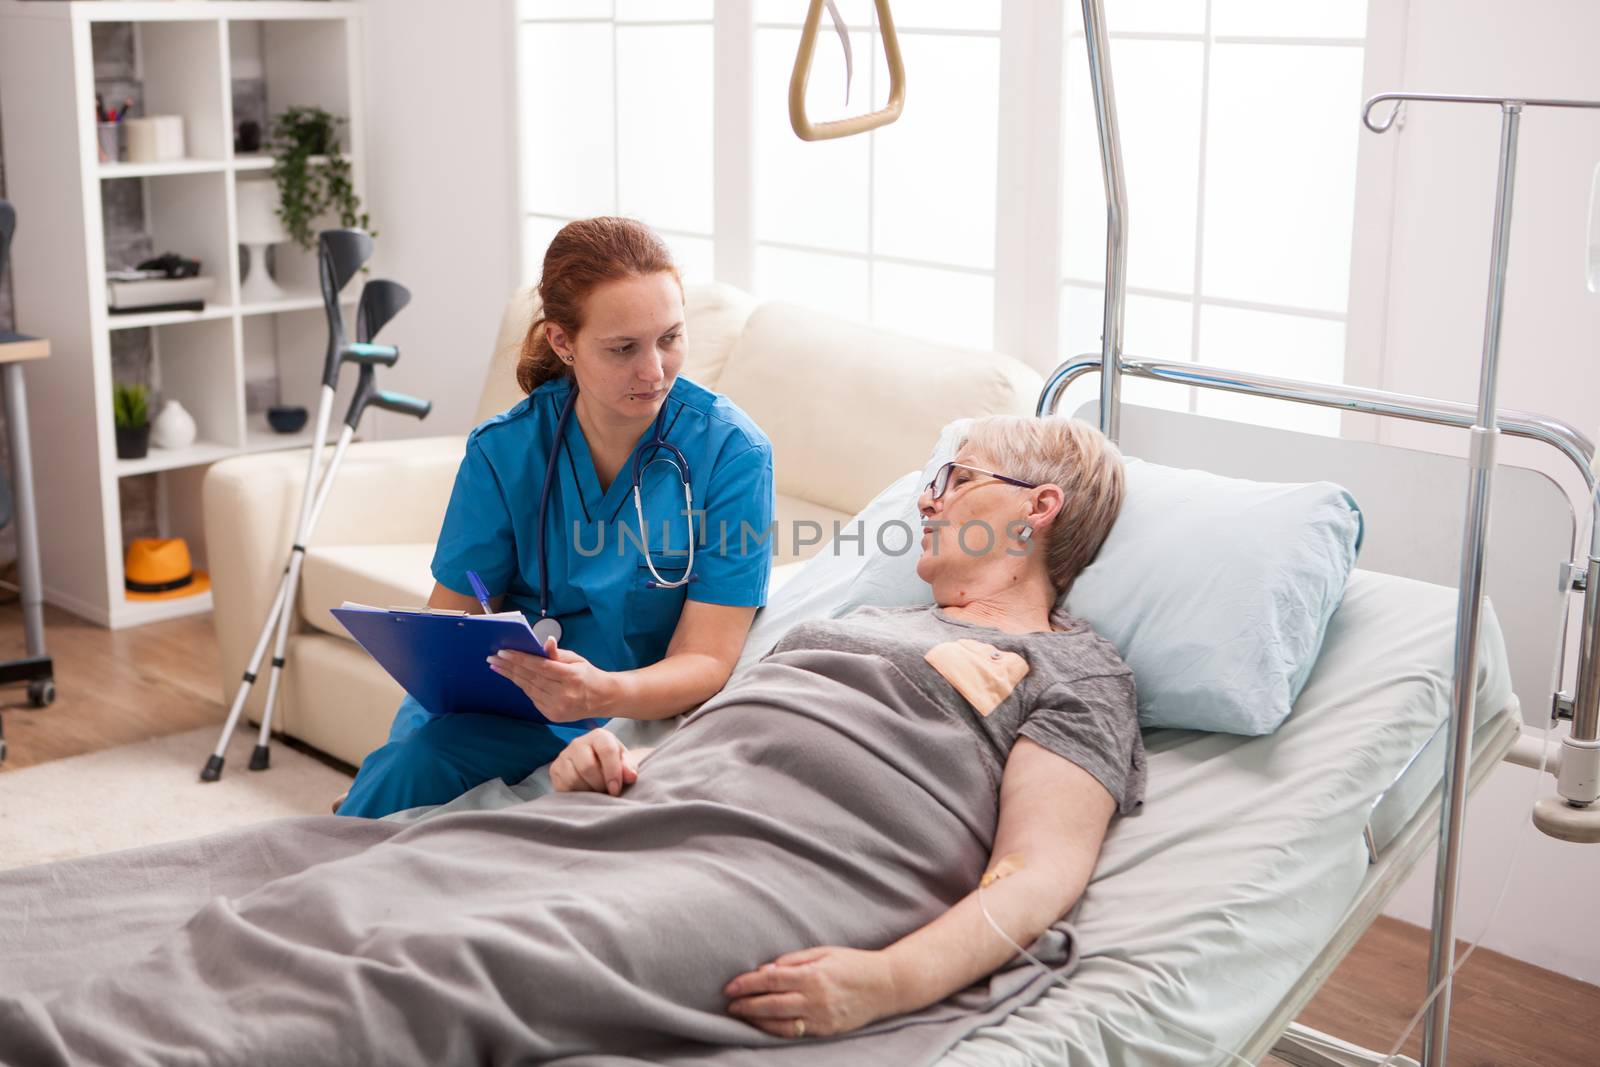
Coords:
634,643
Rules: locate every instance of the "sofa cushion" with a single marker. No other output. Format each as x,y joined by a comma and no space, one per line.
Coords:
336,697
792,510
714,315
849,407
381,575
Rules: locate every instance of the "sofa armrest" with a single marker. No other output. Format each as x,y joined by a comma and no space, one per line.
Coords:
385,492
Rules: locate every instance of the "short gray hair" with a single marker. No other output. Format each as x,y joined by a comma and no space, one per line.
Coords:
1067,452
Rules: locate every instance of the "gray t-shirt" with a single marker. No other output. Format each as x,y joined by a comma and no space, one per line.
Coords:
1066,690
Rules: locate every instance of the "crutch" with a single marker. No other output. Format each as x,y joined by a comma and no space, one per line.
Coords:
341,255
380,302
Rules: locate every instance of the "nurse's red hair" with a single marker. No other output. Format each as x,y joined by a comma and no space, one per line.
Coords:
585,254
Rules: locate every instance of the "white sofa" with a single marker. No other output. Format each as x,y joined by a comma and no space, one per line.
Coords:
848,408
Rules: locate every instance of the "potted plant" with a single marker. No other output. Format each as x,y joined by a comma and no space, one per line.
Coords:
132,409
311,174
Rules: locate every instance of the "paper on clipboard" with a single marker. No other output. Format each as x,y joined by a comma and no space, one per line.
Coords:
509,615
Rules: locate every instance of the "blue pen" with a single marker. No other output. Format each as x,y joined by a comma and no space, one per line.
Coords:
483,593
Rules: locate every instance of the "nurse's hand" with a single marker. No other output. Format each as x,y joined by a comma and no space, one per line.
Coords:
563,685
596,762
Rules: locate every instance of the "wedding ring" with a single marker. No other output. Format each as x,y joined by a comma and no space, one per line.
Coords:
799,1028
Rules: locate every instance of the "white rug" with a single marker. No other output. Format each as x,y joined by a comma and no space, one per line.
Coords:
150,791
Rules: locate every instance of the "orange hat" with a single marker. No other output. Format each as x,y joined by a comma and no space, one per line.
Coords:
160,570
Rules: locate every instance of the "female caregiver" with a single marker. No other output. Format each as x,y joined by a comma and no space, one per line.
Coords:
639,637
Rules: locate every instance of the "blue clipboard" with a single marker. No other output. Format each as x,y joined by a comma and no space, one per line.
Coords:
441,659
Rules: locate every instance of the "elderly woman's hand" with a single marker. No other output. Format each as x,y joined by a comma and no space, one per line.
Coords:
596,762
563,685
814,992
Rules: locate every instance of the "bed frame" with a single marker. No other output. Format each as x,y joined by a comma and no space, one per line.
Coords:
1572,816
1279,1034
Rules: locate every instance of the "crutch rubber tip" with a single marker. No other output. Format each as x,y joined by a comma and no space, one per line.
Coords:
259,758
212,770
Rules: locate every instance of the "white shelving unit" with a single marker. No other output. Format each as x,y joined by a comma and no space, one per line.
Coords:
308,54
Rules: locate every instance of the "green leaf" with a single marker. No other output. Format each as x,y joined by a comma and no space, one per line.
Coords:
131,406
307,189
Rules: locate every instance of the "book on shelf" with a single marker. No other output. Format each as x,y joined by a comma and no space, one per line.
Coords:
159,294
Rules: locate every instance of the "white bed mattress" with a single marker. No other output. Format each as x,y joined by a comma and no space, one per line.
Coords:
1206,908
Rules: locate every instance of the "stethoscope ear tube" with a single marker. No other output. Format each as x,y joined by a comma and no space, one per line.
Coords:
657,443
544,511
644,538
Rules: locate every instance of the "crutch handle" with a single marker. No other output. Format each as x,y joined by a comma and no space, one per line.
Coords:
367,354
367,393
402,404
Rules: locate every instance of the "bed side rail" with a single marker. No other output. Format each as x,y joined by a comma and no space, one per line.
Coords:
1581,704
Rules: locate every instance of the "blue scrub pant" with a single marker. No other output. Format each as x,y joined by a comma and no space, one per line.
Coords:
431,759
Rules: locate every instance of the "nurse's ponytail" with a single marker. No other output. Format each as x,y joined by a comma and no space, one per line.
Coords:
585,254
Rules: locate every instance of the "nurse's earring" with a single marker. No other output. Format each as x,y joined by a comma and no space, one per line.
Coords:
1025,534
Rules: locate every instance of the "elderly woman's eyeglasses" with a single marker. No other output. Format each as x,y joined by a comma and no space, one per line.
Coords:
943,477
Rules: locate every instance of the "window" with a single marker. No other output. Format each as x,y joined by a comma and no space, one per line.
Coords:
1239,126
614,107
1239,123
844,225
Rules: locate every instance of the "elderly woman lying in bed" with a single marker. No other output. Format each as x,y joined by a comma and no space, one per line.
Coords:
801,856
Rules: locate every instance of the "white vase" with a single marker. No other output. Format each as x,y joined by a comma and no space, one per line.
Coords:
173,428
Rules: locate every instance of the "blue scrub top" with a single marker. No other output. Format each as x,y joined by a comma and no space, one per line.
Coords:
597,573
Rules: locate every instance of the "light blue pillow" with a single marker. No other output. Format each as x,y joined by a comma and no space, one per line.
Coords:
1217,592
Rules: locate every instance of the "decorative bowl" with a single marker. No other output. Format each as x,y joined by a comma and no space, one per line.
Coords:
286,419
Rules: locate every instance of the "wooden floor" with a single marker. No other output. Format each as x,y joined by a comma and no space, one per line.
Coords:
1504,1012
113,687
117,687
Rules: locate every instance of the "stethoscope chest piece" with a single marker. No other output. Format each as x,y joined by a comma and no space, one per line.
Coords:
546,628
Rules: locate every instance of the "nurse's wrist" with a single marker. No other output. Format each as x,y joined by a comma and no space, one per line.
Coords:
616,694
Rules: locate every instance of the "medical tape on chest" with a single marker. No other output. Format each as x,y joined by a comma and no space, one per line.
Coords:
980,672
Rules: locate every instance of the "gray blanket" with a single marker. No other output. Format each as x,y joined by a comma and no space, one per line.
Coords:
818,801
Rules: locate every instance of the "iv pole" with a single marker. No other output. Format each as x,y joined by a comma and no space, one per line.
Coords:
1474,543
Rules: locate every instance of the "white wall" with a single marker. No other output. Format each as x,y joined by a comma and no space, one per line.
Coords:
441,184
1431,335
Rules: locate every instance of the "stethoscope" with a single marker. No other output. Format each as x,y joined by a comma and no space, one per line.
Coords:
547,627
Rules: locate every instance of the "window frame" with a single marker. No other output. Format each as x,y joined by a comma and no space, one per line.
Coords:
1028,274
